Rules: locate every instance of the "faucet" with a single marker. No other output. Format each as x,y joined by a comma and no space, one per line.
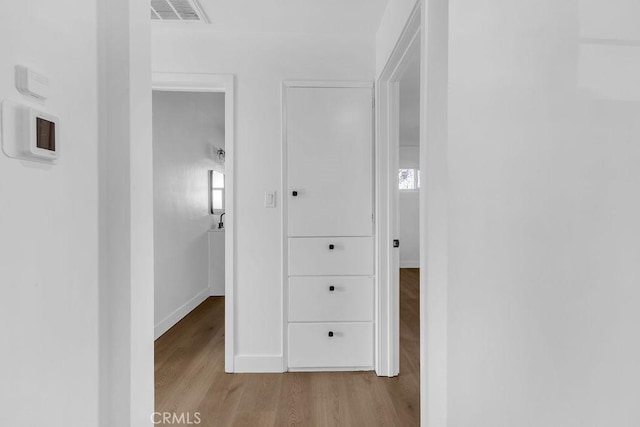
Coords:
221,224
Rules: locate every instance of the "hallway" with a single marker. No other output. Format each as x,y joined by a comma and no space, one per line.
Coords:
189,377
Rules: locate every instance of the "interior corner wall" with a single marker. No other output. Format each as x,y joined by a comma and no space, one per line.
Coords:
187,129
543,166
261,62
49,224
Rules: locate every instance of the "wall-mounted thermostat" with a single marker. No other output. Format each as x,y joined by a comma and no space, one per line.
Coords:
30,83
28,133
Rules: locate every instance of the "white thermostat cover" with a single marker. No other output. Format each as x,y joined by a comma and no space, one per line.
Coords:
28,133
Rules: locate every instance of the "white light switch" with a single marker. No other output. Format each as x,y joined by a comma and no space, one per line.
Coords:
270,199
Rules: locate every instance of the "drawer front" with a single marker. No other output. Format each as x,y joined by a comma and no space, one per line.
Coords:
339,256
330,299
310,345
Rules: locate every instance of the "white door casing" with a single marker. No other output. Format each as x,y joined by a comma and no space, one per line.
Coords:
387,196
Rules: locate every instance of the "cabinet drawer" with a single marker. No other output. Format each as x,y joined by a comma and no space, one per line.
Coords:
330,299
339,256
310,345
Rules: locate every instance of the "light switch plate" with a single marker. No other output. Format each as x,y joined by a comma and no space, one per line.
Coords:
270,199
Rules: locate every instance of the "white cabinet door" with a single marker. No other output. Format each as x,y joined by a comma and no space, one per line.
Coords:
329,137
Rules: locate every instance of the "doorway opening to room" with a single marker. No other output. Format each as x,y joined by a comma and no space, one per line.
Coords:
407,214
193,236
399,195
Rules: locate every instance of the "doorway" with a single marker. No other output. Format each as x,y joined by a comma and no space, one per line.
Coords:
207,197
399,200
427,28
407,215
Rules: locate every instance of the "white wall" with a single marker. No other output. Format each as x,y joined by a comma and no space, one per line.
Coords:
261,62
393,21
187,129
49,225
543,167
125,214
409,213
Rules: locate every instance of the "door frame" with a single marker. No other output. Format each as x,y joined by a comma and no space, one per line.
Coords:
218,83
387,195
428,23
284,191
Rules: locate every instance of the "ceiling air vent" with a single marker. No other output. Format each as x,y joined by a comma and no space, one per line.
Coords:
177,10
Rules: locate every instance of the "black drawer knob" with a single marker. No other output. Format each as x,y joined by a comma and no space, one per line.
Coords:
330,333
332,247
294,193
332,288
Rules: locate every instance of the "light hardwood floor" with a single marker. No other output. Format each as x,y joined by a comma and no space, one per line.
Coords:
189,375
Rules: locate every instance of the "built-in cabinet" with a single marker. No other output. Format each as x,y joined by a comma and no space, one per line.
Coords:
329,224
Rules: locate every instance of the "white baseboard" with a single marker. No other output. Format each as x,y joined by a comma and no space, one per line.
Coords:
347,369
409,264
165,324
258,364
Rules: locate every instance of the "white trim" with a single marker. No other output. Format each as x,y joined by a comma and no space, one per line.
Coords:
410,30
284,244
178,314
190,82
429,19
410,264
334,369
258,364
434,224
327,84
387,196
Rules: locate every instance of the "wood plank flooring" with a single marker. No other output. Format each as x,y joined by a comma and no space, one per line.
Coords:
189,378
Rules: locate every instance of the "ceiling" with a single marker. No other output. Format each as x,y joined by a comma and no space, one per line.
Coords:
296,16
410,104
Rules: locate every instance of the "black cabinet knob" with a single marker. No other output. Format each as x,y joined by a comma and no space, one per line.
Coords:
294,193
330,333
332,247
332,288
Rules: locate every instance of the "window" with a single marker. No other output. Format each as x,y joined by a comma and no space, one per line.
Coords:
216,182
409,179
